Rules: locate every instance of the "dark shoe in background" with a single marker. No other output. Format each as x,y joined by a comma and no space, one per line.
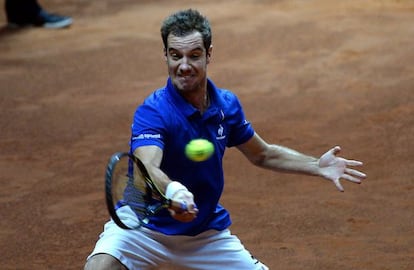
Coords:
46,20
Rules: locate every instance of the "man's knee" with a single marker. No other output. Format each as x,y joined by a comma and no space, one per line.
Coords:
103,262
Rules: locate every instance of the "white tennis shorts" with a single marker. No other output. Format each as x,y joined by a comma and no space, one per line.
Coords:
147,249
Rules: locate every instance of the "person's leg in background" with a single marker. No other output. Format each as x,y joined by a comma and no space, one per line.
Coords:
22,13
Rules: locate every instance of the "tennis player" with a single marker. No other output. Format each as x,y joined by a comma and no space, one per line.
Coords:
191,106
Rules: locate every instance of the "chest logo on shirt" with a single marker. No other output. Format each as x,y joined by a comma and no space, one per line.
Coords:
220,133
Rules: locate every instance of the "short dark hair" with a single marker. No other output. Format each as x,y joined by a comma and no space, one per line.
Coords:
185,22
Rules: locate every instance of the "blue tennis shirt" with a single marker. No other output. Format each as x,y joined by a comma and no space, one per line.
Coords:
167,120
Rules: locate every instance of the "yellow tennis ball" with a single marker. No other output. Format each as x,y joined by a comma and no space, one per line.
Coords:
199,150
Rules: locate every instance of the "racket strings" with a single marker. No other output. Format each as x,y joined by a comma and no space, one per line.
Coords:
137,198
130,188
144,200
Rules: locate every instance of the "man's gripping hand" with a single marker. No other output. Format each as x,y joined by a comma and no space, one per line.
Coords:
179,193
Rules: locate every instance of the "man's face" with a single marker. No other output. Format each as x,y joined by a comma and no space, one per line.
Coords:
187,61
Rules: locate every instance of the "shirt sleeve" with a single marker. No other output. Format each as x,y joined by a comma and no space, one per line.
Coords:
147,128
242,129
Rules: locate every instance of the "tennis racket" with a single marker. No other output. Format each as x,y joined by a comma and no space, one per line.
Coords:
128,186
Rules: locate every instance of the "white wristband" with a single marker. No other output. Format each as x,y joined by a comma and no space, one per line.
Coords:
173,188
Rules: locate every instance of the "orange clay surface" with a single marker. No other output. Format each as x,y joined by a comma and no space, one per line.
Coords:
310,74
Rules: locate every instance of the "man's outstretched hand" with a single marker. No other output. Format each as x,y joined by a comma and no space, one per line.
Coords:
335,168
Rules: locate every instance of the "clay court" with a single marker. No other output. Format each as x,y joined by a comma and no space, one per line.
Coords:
310,74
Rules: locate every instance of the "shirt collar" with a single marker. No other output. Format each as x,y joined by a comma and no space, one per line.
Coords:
186,108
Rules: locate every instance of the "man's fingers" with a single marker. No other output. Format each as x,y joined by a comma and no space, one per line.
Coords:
355,173
338,185
192,208
181,207
336,150
353,163
184,216
351,178
183,211
178,206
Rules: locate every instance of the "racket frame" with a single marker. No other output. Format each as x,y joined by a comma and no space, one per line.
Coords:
150,189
